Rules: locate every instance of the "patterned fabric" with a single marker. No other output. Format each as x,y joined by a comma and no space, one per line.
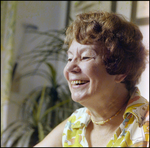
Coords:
132,132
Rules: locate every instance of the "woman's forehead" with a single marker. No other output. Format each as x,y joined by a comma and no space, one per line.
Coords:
80,47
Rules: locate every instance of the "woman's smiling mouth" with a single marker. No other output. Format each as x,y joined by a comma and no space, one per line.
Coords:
79,82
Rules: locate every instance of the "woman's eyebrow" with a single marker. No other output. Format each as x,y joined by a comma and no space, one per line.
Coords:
87,50
82,50
68,51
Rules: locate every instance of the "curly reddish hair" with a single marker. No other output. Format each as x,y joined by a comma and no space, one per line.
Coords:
124,52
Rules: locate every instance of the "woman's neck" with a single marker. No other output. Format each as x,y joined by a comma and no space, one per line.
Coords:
105,107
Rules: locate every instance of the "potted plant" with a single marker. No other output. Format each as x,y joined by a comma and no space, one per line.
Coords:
46,106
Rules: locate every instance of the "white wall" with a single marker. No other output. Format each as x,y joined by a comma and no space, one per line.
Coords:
144,82
46,15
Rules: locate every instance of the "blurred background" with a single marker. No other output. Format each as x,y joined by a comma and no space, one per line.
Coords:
34,94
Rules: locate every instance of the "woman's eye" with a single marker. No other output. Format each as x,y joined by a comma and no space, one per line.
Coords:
69,59
85,58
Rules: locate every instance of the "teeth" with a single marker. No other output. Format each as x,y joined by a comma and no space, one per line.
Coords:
78,82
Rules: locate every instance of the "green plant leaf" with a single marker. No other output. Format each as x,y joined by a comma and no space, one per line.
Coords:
40,72
55,39
55,106
40,131
40,104
10,130
16,134
53,73
78,3
25,139
29,104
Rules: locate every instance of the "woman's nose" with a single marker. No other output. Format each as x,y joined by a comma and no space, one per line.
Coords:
73,67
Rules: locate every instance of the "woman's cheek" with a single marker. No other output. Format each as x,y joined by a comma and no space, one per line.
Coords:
65,73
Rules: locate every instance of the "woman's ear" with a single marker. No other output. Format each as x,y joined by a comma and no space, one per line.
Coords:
119,78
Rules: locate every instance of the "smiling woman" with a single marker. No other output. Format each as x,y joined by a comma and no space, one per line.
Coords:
106,58
85,64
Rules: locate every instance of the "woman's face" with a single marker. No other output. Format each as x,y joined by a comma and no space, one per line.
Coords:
85,74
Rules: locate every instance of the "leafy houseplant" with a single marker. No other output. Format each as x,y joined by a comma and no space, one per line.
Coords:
40,112
46,106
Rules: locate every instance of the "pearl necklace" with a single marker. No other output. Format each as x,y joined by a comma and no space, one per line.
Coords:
102,122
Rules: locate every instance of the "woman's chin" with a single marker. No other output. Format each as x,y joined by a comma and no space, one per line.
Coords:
79,99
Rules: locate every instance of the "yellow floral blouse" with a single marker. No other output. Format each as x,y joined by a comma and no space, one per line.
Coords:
132,132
